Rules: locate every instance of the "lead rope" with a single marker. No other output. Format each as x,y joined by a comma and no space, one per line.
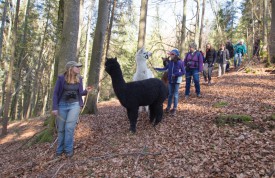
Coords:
185,77
96,90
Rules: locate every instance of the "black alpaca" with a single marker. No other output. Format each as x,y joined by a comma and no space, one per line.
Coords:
131,95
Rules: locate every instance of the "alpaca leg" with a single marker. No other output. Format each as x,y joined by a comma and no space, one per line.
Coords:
132,116
146,108
159,113
152,114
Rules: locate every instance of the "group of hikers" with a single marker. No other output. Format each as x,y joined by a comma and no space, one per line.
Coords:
68,91
195,62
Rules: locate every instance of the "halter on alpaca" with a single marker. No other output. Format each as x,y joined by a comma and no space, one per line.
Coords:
142,71
131,95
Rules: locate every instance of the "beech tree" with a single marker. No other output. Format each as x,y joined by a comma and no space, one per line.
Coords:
97,53
183,27
142,24
10,73
272,34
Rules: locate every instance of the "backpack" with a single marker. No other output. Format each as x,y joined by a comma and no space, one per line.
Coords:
196,63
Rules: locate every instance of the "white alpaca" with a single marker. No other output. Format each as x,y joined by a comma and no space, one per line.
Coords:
142,71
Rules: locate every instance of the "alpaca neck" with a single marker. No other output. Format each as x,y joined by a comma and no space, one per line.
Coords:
118,82
141,65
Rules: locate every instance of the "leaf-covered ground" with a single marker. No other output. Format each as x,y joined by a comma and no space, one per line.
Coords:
190,144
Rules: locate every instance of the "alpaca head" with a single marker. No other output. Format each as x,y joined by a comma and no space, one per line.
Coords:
142,54
111,64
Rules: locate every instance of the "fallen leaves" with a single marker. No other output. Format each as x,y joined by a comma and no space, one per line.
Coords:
187,145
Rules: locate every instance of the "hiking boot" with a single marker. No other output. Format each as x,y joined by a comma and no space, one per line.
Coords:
173,112
58,155
167,110
70,154
199,95
209,83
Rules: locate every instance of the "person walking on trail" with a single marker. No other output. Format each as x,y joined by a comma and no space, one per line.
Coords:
256,49
239,51
210,59
193,63
175,71
67,102
222,58
229,47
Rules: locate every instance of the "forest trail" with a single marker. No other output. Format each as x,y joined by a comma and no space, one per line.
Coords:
190,144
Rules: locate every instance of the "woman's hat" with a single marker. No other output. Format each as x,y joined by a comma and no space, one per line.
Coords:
72,64
174,52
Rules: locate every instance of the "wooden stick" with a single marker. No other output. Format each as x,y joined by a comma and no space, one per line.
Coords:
58,170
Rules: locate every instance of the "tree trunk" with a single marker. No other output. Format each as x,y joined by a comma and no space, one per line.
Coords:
96,58
87,46
70,36
183,28
9,79
27,94
272,34
202,22
46,93
110,26
59,32
265,25
253,24
3,26
142,24
38,69
197,26
217,20
19,65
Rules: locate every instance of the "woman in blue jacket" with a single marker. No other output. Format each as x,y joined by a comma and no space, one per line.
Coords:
67,102
176,70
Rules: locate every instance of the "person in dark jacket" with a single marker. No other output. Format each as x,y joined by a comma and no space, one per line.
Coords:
67,102
256,49
222,58
193,63
210,59
175,69
229,47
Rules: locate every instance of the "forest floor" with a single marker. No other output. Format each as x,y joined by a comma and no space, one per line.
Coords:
209,137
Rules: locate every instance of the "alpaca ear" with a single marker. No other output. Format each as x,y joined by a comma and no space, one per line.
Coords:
140,50
115,59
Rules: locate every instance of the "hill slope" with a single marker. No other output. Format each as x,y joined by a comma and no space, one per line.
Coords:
190,144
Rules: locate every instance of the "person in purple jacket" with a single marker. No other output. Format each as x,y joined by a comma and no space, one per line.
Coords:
175,69
193,63
67,102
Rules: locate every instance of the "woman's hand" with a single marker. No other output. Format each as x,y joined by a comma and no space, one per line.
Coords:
55,112
89,88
